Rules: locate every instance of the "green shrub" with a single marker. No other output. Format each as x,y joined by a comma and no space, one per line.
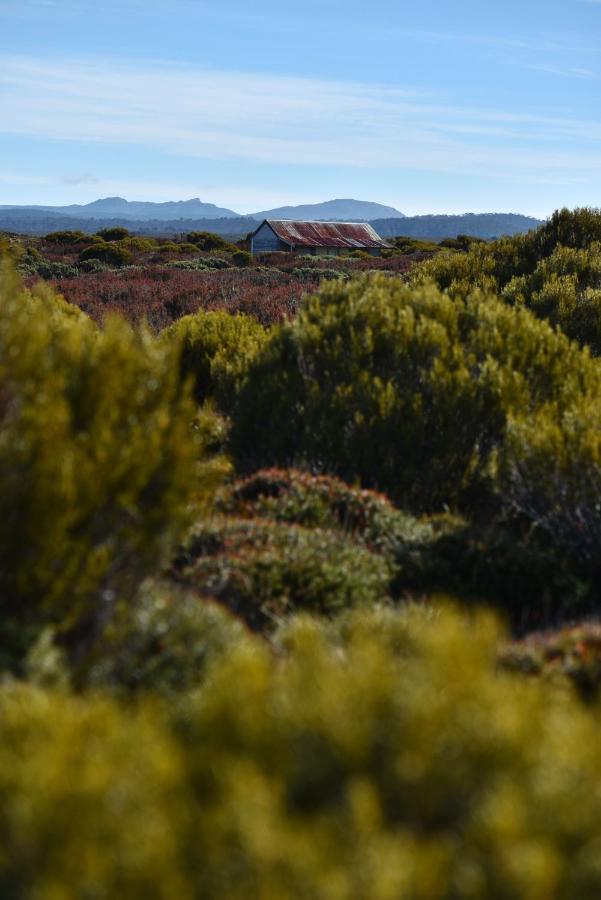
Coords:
319,501
115,254
206,240
171,247
164,642
98,461
569,655
140,244
462,242
552,474
201,264
66,237
263,571
216,350
33,263
403,388
555,271
116,233
242,258
411,245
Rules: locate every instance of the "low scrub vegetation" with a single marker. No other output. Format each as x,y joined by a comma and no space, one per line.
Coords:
299,569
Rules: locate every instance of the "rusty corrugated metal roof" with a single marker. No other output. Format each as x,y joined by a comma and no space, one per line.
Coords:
352,235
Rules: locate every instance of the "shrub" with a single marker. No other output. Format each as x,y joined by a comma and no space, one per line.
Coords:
90,799
242,258
66,237
201,264
264,571
116,233
115,254
140,244
98,462
163,642
569,655
555,271
217,349
206,240
382,756
403,388
552,472
319,501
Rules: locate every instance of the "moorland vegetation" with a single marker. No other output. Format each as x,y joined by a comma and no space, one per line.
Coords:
299,597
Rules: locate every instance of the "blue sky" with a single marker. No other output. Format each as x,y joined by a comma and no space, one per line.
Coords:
429,107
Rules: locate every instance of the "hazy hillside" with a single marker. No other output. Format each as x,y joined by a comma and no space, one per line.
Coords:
111,207
434,228
486,225
333,210
40,221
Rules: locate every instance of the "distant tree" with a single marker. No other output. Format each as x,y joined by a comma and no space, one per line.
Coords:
113,234
206,240
113,254
66,237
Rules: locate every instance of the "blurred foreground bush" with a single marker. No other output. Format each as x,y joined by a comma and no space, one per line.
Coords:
381,757
99,463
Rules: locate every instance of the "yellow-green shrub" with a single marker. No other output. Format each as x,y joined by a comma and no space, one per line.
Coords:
552,472
404,388
217,350
89,800
555,271
382,757
98,460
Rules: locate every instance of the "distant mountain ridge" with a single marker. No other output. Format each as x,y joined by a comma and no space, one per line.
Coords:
333,211
111,207
118,207
41,220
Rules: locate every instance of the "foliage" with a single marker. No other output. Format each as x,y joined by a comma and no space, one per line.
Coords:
320,501
98,462
264,571
555,271
115,233
217,349
552,474
66,237
380,757
414,245
116,254
162,295
163,642
201,264
462,242
206,240
242,258
571,654
403,388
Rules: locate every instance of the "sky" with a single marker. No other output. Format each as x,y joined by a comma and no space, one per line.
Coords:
430,107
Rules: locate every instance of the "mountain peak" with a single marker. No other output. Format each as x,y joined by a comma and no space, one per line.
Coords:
333,210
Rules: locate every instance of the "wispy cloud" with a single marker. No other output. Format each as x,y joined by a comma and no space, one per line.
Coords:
182,110
565,71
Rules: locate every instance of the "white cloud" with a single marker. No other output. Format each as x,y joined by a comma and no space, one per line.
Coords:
183,110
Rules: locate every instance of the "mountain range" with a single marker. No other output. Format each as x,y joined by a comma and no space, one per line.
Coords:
117,207
180,217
